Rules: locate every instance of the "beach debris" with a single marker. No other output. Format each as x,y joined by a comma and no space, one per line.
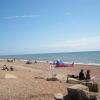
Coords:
53,78
39,77
58,96
10,76
78,92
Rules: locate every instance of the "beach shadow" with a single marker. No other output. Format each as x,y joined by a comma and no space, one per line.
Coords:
66,97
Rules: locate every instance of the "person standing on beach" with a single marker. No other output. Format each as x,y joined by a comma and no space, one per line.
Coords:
81,75
14,59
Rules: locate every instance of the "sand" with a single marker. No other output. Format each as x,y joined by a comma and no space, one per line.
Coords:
10,76
28,81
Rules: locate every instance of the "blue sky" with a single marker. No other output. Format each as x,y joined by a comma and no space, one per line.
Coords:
41,26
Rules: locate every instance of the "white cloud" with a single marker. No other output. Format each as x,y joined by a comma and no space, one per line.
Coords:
82,44
24,16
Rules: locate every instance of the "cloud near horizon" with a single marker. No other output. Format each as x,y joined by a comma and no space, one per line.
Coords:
24,16
76,45
82,44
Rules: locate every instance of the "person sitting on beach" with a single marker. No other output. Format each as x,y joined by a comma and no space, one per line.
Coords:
81,75
28,62
35,61
88,75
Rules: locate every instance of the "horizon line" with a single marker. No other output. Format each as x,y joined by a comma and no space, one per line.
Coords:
49,53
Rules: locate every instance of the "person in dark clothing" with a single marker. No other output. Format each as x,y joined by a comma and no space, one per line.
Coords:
11,68
81,75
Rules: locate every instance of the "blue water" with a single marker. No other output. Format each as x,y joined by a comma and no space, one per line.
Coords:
77,57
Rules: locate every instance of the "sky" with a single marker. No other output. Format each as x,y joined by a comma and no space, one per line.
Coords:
46,26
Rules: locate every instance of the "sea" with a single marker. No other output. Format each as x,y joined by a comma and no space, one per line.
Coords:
87,57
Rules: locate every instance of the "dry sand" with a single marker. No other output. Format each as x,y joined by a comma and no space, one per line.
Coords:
28,81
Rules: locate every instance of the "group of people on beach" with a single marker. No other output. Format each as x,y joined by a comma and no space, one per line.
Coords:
11,60
83,76
7,69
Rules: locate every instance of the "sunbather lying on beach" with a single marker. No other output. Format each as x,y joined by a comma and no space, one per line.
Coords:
5,68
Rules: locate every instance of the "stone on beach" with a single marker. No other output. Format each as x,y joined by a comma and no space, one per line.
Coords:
52,79
95,87
10,76
73,81
78,92
92,86
61,77
58,96
57,77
